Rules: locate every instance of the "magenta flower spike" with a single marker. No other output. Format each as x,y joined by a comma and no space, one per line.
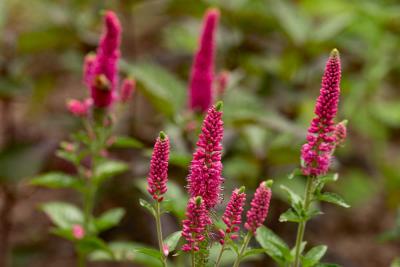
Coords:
79,108
202,73
259,207
158,175
340,132
127,89
88,69
317,152
233,213
205,178
105,68
194,225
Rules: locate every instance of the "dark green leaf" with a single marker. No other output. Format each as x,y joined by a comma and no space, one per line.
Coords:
313,256
333,198
274,246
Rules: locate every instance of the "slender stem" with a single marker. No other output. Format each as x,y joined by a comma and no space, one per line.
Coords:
159,234
302,225
193,259
221,252
243,249
81,259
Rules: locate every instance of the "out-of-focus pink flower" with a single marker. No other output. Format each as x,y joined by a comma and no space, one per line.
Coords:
194,225
340,132
127,89
105,68
205,178
158,175
202,73
233,213
165,250
78,232
317,152
222,82
79,108
88,68
259,207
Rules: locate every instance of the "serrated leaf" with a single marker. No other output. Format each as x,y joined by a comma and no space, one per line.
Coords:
294,198
57,180
109,219
109,169
290,216
147,206
313,256
126,142
63,215
172,240
274,246
333,198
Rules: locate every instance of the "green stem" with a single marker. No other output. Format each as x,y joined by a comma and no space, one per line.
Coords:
159,234
81,259
193,259
221,252
243,249
302,225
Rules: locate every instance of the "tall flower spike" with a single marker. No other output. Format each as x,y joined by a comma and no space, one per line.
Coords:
105,68
202,73
195,223
233,213
88,68
259,207
158,175
205,178
317,152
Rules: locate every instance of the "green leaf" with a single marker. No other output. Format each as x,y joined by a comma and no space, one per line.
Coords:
57,180
109,169
395,263
172,240
165,91
290,216
150,252
327,265
333,198
313,256
63,215
147,206
274,246
294,198
91,243
126,142
109,219
253,251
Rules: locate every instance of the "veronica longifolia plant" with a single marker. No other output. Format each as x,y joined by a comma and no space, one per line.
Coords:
87,149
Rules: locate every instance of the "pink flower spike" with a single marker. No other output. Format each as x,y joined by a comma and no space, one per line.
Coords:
259,207
233,213
202,73
205,178
78,108
158,175
317,152
88,68
78,232
105,67
194,225
127,89
340,132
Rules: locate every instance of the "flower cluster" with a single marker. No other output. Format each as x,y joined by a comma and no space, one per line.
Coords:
233,214
158,176
259,207
205,178
202,75
195,224
317,152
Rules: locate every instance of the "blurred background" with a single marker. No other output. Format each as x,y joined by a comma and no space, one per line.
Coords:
275,53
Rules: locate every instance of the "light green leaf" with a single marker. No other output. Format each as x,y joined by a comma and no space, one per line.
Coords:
172,240
333,198
314,255
290,216
126,142
327,265
109,219
150,252
57,180
294,198
109,169
274,246
63,215
147,206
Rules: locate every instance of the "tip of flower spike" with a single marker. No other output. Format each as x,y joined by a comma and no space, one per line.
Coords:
198,200
335,53
268,183
111,21
219,105
162,136
212,12
241,189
